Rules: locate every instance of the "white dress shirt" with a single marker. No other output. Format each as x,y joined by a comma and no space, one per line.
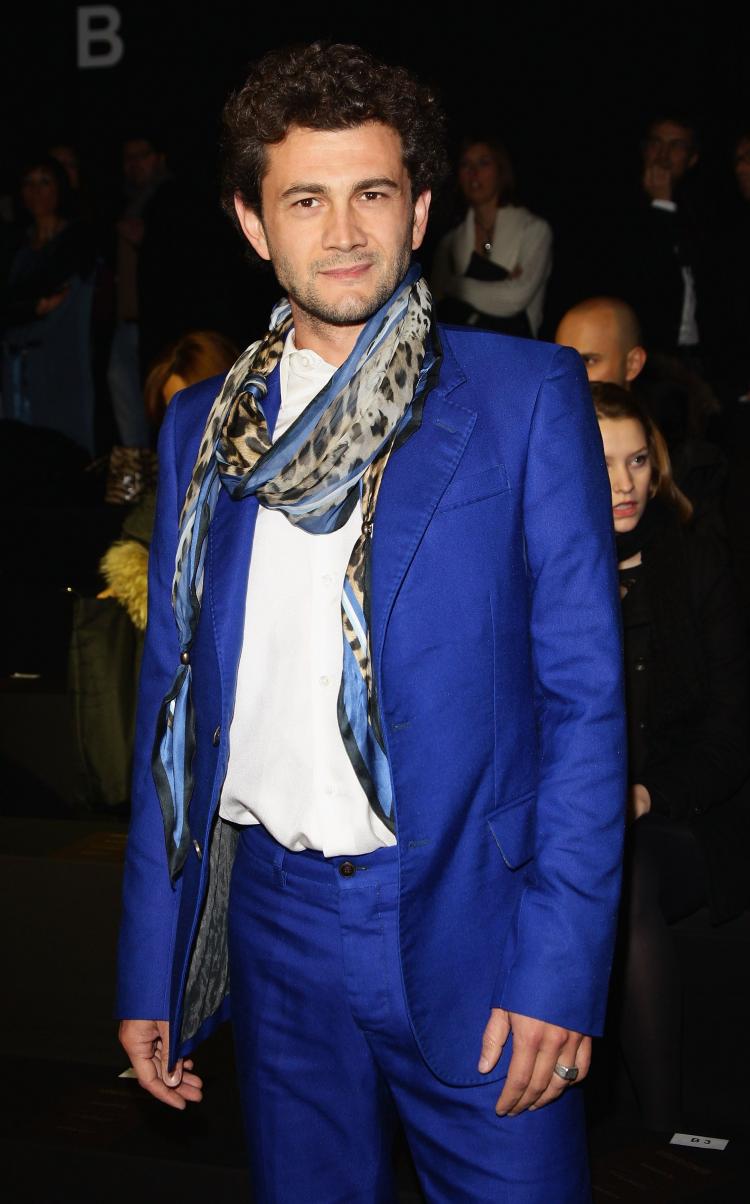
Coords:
288,768
688,335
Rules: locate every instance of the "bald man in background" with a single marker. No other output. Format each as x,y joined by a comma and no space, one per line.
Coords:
605,333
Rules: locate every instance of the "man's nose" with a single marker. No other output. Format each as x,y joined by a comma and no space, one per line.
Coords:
342,230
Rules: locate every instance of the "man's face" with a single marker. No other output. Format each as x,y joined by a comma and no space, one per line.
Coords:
670,146
742,167
338,223
596,338
140,162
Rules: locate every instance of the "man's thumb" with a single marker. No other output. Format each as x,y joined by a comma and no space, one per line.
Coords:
493,1040
174,1078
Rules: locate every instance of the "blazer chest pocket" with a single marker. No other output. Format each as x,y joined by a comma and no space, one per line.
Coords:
512,828
475,488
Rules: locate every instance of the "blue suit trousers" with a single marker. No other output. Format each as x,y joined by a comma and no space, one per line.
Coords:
328,1063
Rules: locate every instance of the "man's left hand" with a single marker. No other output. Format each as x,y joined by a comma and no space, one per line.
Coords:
537,1048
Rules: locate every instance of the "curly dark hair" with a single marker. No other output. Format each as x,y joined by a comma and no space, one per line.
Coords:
326,86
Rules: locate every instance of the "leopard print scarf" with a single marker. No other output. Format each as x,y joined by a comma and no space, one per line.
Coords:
332,455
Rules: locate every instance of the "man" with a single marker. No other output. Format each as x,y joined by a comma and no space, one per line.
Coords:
400,674
605,333
660,243
145,172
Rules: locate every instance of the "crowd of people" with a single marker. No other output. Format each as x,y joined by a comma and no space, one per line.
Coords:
95,287
103,323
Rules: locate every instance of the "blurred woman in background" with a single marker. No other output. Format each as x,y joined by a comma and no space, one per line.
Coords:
492,269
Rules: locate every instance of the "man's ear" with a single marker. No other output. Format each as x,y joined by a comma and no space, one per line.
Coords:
634,361
419,225
252,227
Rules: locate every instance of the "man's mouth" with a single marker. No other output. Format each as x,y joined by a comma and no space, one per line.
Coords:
352,271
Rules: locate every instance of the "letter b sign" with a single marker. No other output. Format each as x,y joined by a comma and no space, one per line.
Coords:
99,43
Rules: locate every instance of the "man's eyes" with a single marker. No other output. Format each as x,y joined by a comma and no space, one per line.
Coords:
311,202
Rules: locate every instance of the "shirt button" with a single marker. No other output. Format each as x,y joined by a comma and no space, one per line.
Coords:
325,680
328,579
346,869
329,790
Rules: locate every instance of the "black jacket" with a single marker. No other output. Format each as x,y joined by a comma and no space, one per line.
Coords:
686,682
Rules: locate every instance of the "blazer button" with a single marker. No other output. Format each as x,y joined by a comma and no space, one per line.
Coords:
216,737
639,665
346,869
198,850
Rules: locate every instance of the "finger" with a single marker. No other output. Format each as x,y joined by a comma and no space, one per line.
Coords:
583,1058
493,1039
167,1095
173,1077
539,1080
148,1073
192,1081
190,1092
576,1052
545,1044
519,1074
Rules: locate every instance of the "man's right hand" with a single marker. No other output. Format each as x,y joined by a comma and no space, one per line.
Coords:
146,1042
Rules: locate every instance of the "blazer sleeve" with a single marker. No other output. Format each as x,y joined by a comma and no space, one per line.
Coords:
150,902
567,917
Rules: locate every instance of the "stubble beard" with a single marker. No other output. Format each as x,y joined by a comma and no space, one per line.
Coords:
350,311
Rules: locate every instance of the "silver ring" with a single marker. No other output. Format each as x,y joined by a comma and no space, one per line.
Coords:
569,1073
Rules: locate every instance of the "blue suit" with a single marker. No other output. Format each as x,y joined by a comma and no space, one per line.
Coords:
496,653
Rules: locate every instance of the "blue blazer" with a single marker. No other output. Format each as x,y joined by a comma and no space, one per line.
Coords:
495,623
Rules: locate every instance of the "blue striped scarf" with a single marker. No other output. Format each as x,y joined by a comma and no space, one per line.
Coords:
333,455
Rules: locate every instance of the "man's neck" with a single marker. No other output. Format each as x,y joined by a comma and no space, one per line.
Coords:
332,343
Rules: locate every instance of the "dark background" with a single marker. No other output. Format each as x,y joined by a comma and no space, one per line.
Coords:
568,87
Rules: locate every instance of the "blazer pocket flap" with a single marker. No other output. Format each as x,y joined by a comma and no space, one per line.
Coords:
475,487
512,826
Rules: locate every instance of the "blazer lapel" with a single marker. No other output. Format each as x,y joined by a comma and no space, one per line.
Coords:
415,479
230,545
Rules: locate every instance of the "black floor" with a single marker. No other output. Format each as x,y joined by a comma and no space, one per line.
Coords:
73,1131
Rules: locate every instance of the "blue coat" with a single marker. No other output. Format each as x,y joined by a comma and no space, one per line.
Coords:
497,655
